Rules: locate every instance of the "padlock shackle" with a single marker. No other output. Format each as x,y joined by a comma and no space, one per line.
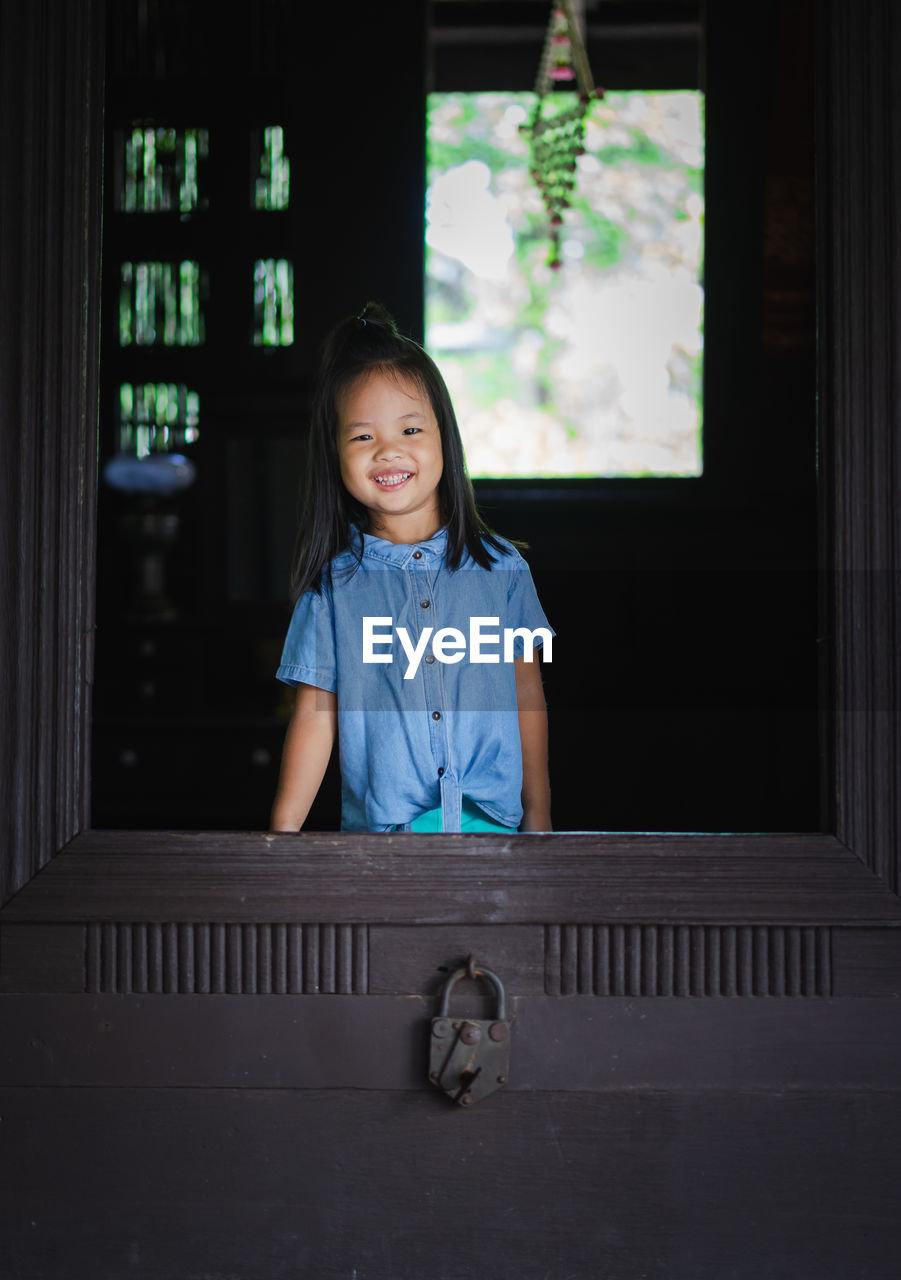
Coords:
473,971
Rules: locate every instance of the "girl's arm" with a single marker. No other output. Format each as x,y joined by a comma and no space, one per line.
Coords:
532,708
308,747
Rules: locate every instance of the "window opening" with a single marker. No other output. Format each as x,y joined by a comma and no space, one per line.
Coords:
159,304
157,417
158,169
273,303
594,369
271,169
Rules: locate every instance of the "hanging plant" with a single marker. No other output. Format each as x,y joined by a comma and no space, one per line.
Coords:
556,138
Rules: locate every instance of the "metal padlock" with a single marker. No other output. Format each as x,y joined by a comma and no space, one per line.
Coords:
470,1058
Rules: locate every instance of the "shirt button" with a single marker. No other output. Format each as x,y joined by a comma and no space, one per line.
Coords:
425,603
436,715
417,555
440,772
430,658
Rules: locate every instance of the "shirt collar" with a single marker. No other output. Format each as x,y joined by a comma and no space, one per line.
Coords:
401,554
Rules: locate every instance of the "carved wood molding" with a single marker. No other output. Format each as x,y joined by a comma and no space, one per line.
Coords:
633,960
688,960
630,960
233,959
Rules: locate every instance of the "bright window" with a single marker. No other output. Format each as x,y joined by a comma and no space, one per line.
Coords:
593,369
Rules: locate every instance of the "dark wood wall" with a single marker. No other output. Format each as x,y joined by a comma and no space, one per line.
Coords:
49,321
212,1045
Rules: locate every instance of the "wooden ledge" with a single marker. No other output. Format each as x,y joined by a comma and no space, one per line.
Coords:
566,878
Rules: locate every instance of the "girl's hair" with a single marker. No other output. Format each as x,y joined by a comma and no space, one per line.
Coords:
368,343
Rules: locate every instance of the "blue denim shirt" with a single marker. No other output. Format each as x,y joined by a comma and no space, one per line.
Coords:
408,745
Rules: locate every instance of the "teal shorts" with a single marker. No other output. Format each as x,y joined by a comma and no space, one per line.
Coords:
473,819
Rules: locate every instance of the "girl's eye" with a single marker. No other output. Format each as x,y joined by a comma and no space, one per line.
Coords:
409,430
364,436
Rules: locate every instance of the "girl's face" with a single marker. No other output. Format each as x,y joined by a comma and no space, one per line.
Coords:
389,448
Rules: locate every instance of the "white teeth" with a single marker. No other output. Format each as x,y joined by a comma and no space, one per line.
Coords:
392,480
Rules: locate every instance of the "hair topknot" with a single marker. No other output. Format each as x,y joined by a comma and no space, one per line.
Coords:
370,338
375,313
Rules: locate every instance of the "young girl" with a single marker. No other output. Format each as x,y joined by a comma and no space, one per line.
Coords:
415,628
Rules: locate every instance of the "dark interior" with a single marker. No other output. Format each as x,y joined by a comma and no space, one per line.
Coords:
685,694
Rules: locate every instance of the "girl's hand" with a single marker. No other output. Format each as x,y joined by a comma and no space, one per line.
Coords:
307,750
532,708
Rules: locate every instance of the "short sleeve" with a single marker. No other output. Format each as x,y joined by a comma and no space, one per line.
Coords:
524,612
309,653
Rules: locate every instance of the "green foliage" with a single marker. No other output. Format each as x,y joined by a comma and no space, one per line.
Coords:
642,151
606,241
488,378
473,124
445,155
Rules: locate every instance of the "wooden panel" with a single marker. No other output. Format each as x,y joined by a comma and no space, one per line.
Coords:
867,962
675,1044
238,959
411,959
51,102
42,958
687,960
859,336
566,879
361,1186
580,1043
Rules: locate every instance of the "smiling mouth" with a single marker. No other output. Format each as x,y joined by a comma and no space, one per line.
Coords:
392,481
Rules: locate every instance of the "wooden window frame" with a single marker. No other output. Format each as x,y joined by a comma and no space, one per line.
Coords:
56,869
